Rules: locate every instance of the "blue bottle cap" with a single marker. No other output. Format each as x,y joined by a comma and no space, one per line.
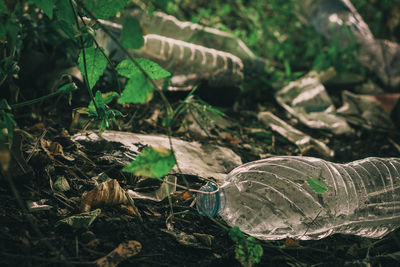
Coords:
209,203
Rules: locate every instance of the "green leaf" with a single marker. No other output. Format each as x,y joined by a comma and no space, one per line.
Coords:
132,35
98,99
106,115
104,9
235,234
63,11
82,220
4,105
106,99
96,63
66,27
138,90
46,5
152,163
3,8
128,69
317,186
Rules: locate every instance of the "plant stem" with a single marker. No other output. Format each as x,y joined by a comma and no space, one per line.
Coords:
86,79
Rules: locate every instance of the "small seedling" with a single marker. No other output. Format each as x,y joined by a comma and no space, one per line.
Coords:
247,250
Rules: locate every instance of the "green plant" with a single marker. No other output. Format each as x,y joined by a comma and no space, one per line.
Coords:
67,16
343,58
247,250
200,111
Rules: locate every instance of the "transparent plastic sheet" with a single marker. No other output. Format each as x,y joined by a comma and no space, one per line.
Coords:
192,52
303,141
338,18
307,99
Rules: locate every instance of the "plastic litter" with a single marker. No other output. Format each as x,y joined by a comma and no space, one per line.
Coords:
192,52
338,18
308,100
202,160
305,142
169,26
369,111
38,205
272,198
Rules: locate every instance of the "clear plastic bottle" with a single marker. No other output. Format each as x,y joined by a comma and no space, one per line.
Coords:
192,52
271,199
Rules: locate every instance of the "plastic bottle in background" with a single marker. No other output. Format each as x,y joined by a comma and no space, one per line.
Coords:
169,26
271,199
338,19
190,51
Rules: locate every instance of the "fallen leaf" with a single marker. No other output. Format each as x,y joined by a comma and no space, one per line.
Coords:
82,220
93,243
53,149
106,193
232,140
61,184
167,187
290,243
186,195
37,127
129,210
124,251
196,240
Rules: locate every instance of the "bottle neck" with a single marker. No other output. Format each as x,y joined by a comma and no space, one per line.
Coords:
209,204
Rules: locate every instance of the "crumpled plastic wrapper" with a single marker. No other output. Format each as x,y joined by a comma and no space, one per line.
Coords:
369,111
167,187
303,141
339,19
308,100
202,160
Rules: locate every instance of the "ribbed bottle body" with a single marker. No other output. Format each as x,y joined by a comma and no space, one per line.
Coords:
271,198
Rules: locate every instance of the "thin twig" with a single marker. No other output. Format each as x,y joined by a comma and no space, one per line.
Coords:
309,225
36,145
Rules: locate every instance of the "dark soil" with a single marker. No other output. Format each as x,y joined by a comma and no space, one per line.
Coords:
35,239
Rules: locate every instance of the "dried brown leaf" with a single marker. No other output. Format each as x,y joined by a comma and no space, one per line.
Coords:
124,251
106,193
